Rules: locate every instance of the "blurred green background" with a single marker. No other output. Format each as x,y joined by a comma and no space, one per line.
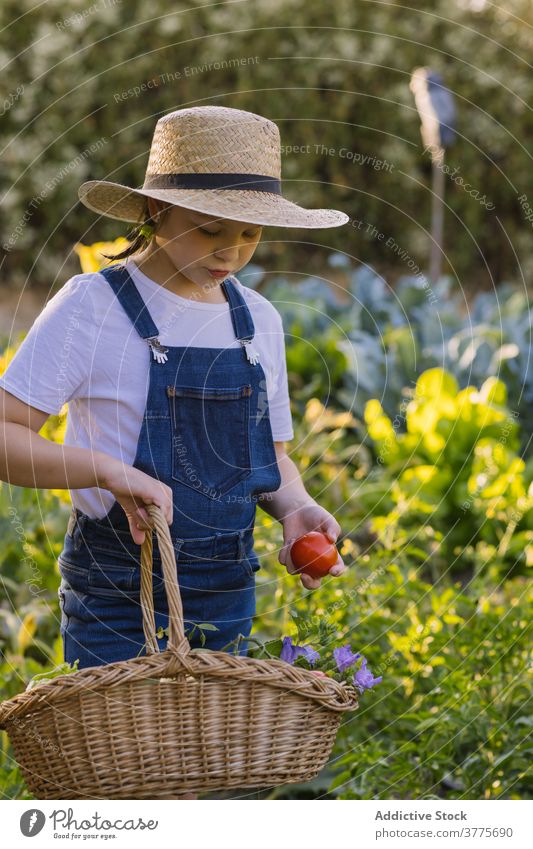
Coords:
333,75
412,408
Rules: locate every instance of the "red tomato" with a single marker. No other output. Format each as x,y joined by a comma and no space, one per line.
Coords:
313,554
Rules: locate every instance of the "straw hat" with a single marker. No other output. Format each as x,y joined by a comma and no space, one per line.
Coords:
217,160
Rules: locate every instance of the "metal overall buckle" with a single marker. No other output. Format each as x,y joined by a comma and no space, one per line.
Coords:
158,350
252,354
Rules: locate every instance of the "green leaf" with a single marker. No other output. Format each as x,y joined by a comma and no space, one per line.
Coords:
42,677
436,382
342,778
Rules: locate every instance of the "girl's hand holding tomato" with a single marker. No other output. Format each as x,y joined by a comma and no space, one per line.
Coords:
302,521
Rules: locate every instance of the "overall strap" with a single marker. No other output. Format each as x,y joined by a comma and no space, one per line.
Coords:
126,291
241,317
130,299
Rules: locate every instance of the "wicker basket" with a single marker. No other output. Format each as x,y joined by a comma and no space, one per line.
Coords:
122,731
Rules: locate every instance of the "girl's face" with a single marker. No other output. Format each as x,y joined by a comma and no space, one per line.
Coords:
195,243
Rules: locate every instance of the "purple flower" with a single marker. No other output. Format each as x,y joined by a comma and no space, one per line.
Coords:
364,679
344,657
310,654
289,652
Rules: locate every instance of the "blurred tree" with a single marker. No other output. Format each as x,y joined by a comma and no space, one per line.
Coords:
83,87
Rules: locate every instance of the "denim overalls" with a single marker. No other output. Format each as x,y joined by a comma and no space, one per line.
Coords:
206,433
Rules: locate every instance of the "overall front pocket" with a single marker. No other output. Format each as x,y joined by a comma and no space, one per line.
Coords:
210,437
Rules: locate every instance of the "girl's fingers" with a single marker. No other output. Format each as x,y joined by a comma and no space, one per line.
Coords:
142,520
289,564
330,528
138,535
144,517
339,567
309,582
284,555
291,568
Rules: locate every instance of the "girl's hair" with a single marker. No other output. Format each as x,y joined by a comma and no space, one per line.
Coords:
139,241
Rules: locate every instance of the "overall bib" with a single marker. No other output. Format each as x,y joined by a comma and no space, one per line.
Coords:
206,433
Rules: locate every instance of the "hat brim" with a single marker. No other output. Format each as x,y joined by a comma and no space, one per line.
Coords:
264,208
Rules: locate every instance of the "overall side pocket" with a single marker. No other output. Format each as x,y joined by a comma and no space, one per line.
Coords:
251,564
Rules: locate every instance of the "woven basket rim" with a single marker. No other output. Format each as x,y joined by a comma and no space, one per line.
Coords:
332,694
178,657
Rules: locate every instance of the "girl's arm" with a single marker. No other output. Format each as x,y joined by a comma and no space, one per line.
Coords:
299,513
28,459
291,494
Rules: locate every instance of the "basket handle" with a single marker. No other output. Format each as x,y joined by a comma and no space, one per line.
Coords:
177,641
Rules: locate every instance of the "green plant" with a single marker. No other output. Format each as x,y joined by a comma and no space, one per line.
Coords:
56,672
456,469
451,718
379,344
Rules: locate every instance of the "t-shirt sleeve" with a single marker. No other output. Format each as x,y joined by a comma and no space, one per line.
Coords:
51,365
279,404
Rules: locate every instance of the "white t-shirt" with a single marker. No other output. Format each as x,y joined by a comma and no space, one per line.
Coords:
83,349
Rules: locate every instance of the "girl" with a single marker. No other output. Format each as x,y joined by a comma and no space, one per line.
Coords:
176,377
